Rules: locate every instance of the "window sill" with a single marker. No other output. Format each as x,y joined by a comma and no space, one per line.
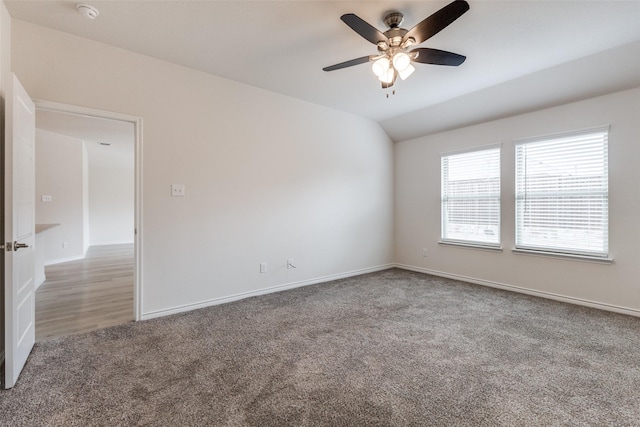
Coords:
571,257
471,246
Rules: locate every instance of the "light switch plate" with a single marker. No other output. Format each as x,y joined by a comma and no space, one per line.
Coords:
177,190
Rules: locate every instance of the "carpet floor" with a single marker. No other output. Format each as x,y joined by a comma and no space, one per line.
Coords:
394,348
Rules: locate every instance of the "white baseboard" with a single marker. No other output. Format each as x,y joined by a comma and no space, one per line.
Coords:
533,292
243,295
61,260
118,242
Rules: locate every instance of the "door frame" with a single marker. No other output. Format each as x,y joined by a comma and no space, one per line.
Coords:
137,123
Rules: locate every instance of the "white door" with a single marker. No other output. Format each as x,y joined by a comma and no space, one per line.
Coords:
19,240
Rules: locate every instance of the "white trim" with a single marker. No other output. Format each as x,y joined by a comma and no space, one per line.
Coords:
137,122
539,191
470,245
58,107
137,235
115,242
263,291
448,196
527,291
572,257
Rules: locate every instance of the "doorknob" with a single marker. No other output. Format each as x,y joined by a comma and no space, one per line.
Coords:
17,246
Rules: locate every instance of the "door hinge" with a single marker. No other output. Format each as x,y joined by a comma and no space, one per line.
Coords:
8,246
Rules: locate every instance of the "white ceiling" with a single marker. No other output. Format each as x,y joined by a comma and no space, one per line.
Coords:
110,143
282,46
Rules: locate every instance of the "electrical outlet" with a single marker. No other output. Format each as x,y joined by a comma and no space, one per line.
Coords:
177,190
45,198
424,252
263,267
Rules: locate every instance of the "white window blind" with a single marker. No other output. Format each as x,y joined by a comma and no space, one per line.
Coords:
471,197
562,193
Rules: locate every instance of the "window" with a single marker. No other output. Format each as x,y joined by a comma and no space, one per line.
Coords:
562,193
471,197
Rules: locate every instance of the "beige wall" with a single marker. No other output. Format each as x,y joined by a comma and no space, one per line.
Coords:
417,223
60,174
111,205
267,177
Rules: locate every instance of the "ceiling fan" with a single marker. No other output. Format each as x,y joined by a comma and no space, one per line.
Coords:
394,57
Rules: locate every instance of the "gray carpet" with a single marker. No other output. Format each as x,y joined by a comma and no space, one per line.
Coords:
392,348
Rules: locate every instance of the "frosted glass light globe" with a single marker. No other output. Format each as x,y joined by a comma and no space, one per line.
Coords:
387,76
380,66
401,61
406,72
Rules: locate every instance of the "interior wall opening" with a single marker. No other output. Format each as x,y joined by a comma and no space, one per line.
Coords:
87,194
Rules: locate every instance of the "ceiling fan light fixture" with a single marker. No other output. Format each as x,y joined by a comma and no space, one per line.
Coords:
380,66
406,72
383,46
408,42
401,61
387,76
394,56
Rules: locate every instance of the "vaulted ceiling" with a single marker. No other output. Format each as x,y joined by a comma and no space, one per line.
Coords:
521,55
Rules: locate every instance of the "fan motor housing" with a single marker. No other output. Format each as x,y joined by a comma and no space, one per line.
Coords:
395,36
394,19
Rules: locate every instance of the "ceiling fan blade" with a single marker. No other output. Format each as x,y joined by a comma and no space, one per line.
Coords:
363,28
438,57
346,64
437,22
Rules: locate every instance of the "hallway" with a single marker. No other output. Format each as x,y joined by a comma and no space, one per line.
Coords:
84,295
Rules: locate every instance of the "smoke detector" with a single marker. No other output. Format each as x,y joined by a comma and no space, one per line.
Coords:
88,11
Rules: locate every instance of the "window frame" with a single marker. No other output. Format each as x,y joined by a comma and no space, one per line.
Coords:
556,250
444,199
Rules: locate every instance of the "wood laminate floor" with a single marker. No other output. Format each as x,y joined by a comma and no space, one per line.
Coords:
81,296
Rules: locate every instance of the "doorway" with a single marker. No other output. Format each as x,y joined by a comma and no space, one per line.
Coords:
87,267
